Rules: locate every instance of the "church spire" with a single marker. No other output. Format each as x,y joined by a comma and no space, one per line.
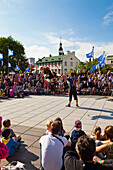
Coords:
60,48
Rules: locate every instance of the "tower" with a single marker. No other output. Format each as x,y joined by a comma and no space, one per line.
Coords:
61,49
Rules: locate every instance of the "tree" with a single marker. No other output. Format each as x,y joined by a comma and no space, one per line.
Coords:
89,64
18,57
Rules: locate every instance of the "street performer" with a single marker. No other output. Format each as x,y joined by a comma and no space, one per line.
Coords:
72,89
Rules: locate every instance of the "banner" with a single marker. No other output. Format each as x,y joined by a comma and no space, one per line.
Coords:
90,55
10,52
1,56
100,58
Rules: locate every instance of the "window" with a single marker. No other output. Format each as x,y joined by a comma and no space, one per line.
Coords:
71,58
71,64
65,64
65,70
58,63
76,63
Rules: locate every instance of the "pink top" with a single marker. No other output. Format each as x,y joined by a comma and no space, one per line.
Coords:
3,151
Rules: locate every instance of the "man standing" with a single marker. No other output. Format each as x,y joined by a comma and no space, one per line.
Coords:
72,89
52,148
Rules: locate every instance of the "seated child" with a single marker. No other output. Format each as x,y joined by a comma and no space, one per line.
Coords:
9,142
76,133
96,135
62,131
7,124
48,125
3,151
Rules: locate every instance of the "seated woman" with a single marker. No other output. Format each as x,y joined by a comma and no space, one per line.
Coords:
99,87
84,87
79,86
90,86
105,87
107,147
95,86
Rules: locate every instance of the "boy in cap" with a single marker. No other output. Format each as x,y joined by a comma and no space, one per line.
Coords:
76,133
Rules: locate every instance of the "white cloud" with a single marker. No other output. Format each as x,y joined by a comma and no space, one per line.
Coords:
36,52
68,32
55,40
108,18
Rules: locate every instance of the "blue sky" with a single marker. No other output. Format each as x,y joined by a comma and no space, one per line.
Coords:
38,25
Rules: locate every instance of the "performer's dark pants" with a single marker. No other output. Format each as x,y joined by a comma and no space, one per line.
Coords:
72,91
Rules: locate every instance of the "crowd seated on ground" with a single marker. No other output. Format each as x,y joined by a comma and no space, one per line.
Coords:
61,151
20,85
77,151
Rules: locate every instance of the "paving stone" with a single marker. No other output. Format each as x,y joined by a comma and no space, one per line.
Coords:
29,115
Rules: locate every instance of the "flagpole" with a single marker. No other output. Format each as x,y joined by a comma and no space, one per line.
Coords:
105,59
93,58
8,61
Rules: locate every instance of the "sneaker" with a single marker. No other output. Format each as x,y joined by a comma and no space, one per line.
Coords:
68,105
77,105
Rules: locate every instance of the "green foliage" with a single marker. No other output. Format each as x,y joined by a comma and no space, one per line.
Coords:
88,65
17,59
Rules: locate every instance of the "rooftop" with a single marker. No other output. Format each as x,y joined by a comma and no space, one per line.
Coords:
51,59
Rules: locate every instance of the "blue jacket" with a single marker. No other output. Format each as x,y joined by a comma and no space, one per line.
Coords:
10,143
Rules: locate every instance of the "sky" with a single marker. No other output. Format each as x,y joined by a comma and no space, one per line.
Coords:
39,24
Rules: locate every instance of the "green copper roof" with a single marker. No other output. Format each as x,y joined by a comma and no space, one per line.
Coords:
51,59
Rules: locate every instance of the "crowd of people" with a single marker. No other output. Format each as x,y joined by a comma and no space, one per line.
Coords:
77,151
20,85
61,151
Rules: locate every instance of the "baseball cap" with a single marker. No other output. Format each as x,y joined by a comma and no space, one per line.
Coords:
78,124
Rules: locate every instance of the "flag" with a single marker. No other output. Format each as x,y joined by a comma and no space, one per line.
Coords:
17,68
10,52
90,55
102,64
100,58
91,71
27,69
2,62
96,67
9,64
1,56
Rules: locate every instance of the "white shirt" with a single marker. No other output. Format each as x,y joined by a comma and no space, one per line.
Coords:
52,151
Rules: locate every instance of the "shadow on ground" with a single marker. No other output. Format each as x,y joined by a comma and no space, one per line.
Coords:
24,156
100,110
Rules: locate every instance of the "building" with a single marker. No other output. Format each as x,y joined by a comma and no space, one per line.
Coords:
109,60
31,60
61,63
